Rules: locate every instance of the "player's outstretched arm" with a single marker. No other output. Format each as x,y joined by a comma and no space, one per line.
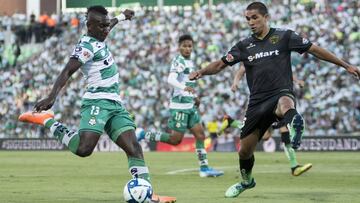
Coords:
238,76
325,55
211,69
125,15
71,67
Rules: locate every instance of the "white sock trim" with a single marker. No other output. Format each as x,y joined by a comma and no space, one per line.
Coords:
54,126
135,171
158,136
67,137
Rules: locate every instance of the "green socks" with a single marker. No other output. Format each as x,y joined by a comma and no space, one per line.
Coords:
237,124
290,153
201,154
70,138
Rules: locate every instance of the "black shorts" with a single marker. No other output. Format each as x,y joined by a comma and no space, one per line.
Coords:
262,115
213,135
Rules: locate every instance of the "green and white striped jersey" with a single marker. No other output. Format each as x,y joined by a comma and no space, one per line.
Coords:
99,69
182,99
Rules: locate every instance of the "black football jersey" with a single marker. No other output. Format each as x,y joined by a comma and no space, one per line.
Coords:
268,61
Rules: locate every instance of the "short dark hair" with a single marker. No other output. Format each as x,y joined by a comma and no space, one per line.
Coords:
97,9
258,6
185,37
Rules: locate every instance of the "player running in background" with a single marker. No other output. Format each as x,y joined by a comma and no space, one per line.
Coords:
101,107
266,56
183,108
296,168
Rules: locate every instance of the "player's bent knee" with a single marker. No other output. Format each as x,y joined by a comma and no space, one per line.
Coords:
245,154
84,152
175,141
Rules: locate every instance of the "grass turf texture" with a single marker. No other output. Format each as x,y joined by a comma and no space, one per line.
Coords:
60,177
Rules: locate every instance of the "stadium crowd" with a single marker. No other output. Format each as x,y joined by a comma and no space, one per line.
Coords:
144,47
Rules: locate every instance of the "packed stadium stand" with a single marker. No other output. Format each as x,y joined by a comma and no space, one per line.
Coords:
143,48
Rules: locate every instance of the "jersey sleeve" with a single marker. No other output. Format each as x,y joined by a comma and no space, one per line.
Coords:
235,55
82,52
298,43
176,66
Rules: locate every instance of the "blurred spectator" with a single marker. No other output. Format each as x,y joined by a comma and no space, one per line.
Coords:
2,46
16,51
212,127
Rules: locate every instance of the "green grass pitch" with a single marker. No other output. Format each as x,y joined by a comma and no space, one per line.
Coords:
60,177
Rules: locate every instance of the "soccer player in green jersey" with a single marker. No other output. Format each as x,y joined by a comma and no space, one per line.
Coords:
296,168
101,107
183,108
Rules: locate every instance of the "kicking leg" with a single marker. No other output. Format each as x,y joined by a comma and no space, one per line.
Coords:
81,144
294,121
137,167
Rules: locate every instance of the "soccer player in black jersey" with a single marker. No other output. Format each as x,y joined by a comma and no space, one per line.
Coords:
266,56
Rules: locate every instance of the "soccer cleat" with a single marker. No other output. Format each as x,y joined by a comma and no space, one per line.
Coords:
140,135
162,199
210,172
238,188
35,117
296,130
227,120
155,199
300,169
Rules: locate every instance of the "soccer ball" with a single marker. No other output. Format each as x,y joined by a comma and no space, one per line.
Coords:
138,190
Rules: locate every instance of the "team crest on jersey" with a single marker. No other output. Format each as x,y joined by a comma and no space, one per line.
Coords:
92,121
229,58
102,53
274,39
